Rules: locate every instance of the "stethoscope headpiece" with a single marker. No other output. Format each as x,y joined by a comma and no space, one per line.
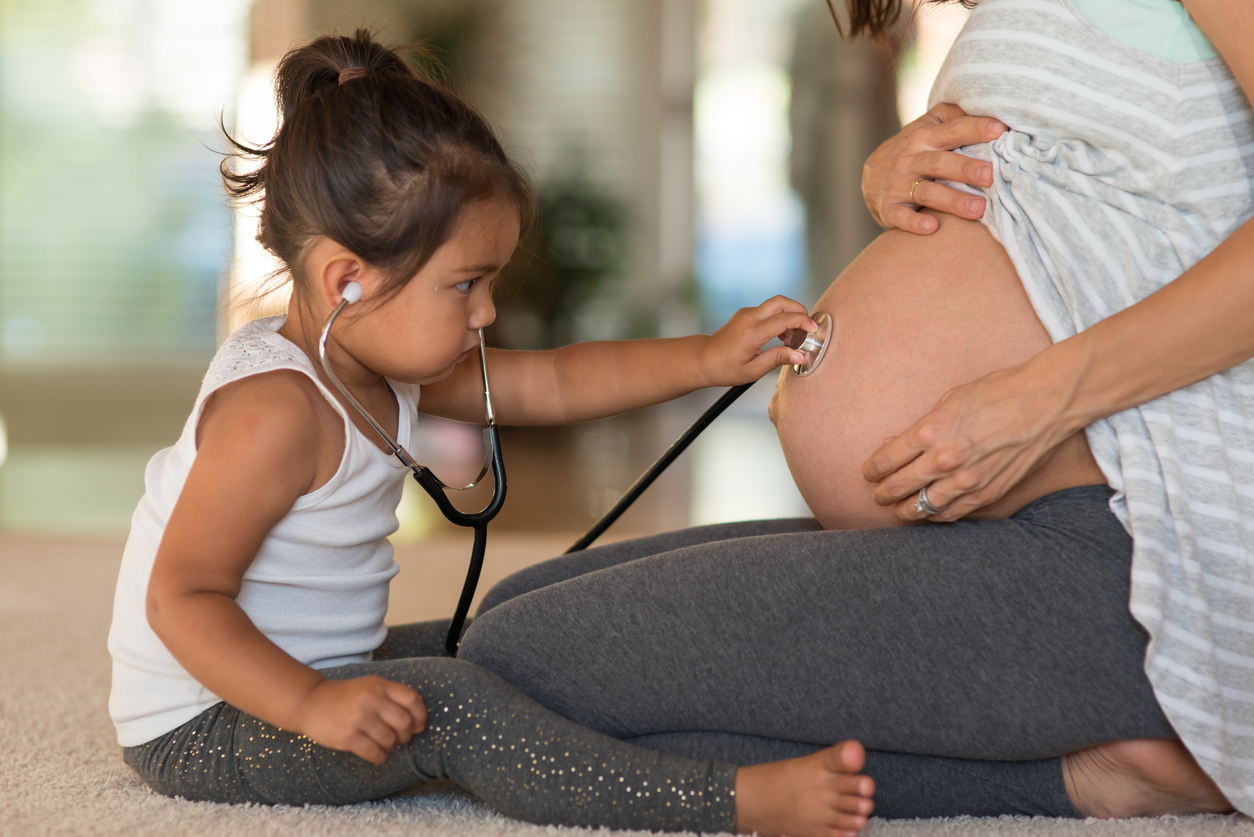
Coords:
812,344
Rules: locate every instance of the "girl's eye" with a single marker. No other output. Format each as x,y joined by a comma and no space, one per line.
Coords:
464,287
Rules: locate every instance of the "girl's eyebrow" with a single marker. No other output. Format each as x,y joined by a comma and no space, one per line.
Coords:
481,268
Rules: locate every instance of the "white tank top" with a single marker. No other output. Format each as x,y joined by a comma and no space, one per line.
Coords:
318,587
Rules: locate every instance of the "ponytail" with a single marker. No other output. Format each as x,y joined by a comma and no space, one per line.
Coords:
371,155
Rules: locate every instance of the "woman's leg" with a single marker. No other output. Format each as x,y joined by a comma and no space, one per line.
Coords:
986,640
426,639
515,755
575,564
906,786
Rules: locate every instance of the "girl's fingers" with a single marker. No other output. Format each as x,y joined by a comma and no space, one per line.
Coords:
412,703
362,745
773,359
398,719
778,325
776,305
379,731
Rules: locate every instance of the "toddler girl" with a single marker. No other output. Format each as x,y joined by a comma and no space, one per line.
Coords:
250,662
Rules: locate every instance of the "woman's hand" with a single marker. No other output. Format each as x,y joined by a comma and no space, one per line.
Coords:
733,354
921,153
367,716
976,444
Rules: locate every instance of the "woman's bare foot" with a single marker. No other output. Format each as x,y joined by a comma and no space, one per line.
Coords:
1144,778
820,795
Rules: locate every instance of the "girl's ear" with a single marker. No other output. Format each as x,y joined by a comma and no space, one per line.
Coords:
335,268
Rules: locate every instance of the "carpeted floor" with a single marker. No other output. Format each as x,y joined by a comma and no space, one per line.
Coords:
61,772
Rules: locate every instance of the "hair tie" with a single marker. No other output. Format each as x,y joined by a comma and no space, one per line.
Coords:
350,73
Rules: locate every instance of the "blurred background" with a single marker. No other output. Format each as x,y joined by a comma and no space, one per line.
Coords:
691,157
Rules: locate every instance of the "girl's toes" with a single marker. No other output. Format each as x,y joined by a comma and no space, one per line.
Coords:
854,785
859,805
851,824
845,757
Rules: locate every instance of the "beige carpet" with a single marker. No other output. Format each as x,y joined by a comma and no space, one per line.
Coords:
61,772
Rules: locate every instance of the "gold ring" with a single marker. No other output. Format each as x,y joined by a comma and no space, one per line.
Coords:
912,188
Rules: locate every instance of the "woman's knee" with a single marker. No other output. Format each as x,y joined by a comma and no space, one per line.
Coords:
502,641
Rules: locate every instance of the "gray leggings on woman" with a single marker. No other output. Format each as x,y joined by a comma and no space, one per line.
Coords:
1007,642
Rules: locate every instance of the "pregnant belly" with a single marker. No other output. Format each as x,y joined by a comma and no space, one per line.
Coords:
913,317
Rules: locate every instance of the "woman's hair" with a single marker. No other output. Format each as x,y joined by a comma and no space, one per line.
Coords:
378,159
874,18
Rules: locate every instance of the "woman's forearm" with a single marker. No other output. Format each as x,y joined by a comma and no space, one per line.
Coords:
1196,326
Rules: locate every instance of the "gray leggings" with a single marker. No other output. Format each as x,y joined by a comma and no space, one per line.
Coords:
514,754
1003,641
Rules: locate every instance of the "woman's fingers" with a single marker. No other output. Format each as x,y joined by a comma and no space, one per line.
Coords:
961,493
950,165
894,454
906,217
933,195
921,153
957,131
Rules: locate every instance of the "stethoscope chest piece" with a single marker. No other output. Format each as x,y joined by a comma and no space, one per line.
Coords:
813,344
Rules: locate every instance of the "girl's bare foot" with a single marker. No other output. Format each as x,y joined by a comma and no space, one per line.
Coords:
1144,778
820,795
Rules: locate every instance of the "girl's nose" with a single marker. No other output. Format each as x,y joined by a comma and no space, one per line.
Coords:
483,315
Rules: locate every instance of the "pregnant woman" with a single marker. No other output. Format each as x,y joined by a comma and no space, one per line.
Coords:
1066,387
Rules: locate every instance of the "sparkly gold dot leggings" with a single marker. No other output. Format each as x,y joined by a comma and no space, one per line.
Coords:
518,757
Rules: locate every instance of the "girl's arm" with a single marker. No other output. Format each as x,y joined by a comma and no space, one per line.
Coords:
982,438
593,380
262,445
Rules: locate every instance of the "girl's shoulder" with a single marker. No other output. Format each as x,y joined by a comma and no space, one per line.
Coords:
261,397
253,348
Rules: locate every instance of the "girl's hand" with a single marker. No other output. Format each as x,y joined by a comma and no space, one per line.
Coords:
733,354
920,154
367,716
975,445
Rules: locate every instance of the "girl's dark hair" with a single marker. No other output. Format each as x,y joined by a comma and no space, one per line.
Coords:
382,164
874,18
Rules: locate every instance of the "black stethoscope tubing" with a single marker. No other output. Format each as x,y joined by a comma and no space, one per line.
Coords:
813,344
655,470
476,521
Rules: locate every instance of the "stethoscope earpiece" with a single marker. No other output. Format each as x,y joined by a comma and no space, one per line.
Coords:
351,293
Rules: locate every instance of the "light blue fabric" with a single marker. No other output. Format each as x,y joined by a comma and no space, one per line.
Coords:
1159,27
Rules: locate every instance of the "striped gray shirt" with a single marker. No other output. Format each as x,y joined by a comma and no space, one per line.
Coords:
1120,171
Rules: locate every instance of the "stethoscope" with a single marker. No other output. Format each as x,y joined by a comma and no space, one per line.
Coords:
811,344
